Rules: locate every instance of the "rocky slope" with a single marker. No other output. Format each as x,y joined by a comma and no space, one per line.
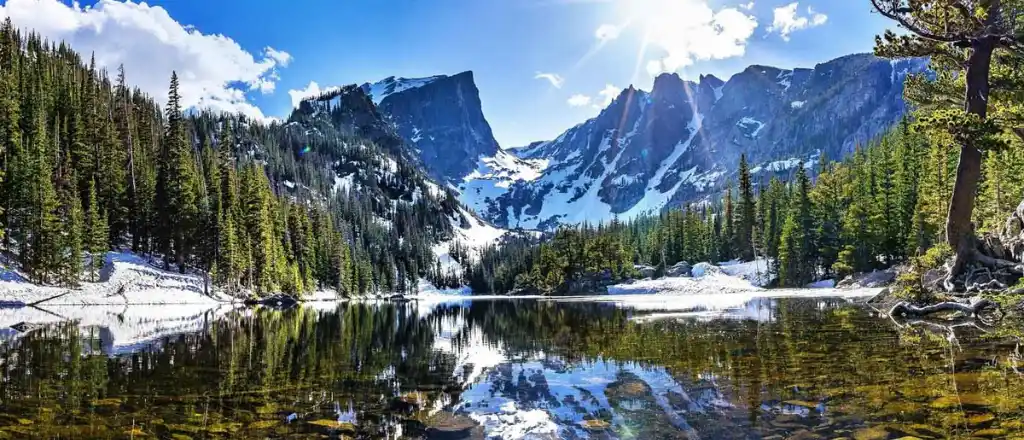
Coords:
683,140
679,142
376,174
441,119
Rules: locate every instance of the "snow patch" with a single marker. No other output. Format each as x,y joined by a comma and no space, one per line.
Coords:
391,85
822,284
751,126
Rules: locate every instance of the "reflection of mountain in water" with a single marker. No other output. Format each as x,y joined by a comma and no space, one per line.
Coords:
504,368
515,400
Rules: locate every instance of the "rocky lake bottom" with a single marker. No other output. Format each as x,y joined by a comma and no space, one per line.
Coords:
713,367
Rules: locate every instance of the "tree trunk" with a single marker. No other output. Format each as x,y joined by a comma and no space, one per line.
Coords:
959,230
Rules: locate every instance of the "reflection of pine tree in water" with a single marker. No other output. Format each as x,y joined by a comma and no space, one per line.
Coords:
584,366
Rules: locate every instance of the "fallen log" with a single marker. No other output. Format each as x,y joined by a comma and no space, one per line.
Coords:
908,310
51,298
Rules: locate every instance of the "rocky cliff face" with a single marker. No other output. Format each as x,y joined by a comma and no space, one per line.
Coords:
679,142
682,140
441,119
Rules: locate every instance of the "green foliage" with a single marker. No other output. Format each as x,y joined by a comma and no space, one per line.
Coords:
934,257
883,205
93,164
744,223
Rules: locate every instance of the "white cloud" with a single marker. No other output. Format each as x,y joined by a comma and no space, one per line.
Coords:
607,32
609,93
689,30
787,20
313,89
283,58
747,6
579,100
151,44
555,79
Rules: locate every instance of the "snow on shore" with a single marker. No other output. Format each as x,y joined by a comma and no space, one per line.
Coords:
142,283
732,288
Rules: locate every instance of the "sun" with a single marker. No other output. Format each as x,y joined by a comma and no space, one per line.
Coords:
677,33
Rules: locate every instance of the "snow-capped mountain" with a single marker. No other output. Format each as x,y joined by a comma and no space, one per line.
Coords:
375,173
441,119
679,142
682,140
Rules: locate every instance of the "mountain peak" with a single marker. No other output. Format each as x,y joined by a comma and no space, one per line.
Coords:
710,81
441,119
391,85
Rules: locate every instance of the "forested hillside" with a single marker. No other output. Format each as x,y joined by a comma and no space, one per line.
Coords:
91,164
884,205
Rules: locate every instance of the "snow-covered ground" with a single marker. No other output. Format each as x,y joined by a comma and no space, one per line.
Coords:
125,279
730,288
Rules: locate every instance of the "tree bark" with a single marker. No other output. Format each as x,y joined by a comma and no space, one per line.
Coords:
959,231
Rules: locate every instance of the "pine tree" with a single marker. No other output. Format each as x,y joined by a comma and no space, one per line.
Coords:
10,114
96,225
776,215
73,240
797,249
829,204
227,265
744,223
41,253
179,184
728,233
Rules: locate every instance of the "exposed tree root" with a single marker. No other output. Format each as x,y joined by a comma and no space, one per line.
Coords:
960,278
907,310
996,263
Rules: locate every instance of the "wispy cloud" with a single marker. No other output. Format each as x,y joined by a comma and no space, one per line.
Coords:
787,20
555,79
748,6
607,32
579,100
214,70
283,58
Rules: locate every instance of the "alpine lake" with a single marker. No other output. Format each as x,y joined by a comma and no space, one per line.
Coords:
742,368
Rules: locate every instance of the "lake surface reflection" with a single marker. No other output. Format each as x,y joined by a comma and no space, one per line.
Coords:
731,368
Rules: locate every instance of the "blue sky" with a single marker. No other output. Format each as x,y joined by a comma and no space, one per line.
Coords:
506,43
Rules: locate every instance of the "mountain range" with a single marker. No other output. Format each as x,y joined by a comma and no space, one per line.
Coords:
647,150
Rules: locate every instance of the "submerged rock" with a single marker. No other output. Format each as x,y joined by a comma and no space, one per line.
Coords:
447,426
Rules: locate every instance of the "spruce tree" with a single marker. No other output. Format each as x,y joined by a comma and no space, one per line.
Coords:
829,204
728,233
41,252
744,223
797,249
96,225
73,240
